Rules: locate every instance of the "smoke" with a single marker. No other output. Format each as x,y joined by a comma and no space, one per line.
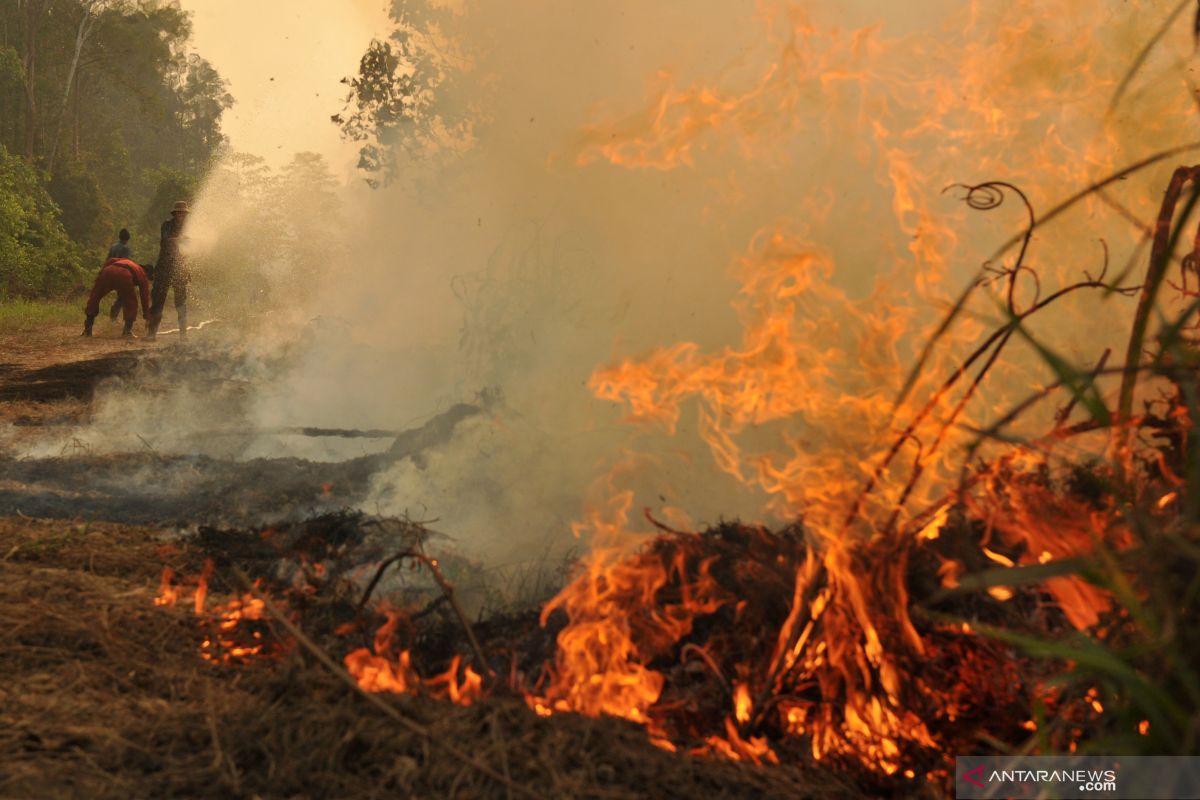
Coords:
631,154
626,155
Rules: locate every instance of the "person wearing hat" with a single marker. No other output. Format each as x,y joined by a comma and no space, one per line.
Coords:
170,272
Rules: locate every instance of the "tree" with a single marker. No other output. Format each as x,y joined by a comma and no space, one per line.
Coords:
34,14
83,211
36,254
114,110
90,10
312,230
395,102
12,92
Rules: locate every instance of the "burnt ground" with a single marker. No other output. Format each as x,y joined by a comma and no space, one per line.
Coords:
50,390
49,375
106,695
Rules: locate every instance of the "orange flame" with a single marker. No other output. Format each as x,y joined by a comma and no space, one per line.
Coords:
168,592
227,640
375,672
869,474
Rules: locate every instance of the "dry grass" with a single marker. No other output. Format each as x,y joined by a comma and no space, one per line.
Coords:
106,696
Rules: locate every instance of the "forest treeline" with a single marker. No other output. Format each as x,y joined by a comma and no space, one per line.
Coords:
108,118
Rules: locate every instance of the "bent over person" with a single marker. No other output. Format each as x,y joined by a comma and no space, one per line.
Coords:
171,272
129,281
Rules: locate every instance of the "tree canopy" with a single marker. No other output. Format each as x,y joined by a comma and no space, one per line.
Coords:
397,99
111,117
36,254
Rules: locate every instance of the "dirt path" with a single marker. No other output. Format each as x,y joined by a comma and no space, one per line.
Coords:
48,375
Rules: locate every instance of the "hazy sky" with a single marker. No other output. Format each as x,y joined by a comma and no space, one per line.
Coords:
283,61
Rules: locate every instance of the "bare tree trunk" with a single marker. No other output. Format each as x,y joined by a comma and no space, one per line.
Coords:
34,12
85,29
76,135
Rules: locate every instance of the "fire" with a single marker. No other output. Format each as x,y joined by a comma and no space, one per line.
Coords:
377,674
227,640
742,703
611,647
1027,515
877,403
234,631
934,527
375,671
168,593
870,451
780,372
463,692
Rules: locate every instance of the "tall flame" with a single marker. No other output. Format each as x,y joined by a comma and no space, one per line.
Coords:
1014,94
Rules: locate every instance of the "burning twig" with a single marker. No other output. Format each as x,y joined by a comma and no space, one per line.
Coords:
814,580
999,339
447,593
703,655
411,725
989,195
432,606
383,565
663,526
993,431
984,196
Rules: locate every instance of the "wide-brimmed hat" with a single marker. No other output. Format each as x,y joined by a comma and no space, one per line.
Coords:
180,206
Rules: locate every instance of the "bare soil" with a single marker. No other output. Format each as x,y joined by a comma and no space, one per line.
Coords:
48,375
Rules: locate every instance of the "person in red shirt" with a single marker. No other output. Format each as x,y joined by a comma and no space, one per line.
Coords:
129,281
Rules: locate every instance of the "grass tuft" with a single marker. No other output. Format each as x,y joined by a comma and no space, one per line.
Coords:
20,314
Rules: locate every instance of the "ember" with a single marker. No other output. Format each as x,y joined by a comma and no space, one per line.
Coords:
235,631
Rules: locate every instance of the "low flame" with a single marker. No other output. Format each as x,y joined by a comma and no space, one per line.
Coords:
232,630
227,642
168,592
375,672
